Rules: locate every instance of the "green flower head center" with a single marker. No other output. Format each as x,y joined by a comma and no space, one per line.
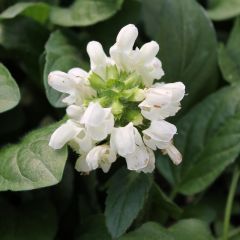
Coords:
121,91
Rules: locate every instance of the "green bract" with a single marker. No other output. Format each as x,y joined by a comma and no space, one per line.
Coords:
122,92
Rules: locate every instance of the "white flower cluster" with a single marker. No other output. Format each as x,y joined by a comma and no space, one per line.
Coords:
110,105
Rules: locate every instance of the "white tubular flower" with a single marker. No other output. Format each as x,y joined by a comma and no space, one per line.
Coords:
121,52
151,162
63,134
127,142
82,142
143,61
98,121
74,83
81,164
100,156
98,58
72,133
160,135
162,100
75,112
123,140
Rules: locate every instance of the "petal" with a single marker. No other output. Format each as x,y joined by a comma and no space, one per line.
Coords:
148,51
138,159
149,142
97,133
94,156
153,114
96,53
161,131
71,99
151,163
174,154
78,72
63,134
61,81
156,69
138,137
127,36
81,164
82,142
95,114
112,156
75,112
123,140
178,90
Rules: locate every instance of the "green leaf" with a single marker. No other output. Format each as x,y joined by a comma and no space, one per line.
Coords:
229,56
32,220
38,11
126,197
160,202
200,211
60,55
190,229
93,227
148,231
85,12
23,41
9,91
32,163
223,9
187,45
209,139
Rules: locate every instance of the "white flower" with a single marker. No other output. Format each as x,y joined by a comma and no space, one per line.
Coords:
74,84
126,76
160,135
75,112
151,162
143,61
121,52
98,121
98,58
63,134
162,100
72,133
127,142
100,156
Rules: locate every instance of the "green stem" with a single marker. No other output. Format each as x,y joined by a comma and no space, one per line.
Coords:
228,209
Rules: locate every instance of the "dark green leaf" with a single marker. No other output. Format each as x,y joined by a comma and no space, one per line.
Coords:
229,56
94,227
60,55
163,203
9,91
37,11
126,197
31,163
190,229
148,231
85,12
187,45
209,139
223,9
24,41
